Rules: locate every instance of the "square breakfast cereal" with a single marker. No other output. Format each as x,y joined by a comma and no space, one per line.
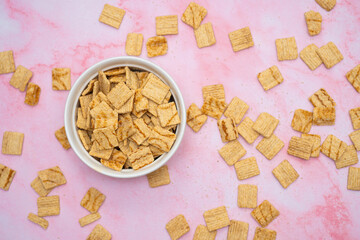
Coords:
353,182
313,21
6,177
32,94
216,218
166,25
105,137
321,98
85,139
97,151
300,147
270,77
60,135
302,121
286,48
326,4
330,54
310,57
227,129
215,90
116,161
246,168
264,234
177,227
131,79
141,103
193,15
236,110
156,46
247,196
232,152
141,157
285,173
38,220
92,200
38,187
204,35
52,177
7,64
48,206
353,76
202,233
12,143
245,129
112,16
213,107
155,89
134,43
237,230
126,127
161,138
241,39
265,124
99,232
355,138
143,131
355,117
265,213
316,143
333,147
269,147
195,117
159,177
20,78
168,114
61,79
119,95
324,116
90,218
348,158
104,83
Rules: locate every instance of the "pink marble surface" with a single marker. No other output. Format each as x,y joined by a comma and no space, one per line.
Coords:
48,34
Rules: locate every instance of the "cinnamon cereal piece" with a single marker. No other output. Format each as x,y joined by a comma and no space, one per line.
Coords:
162,138
302,121
126,127
128,106
241,39
168,114
119,95
7,64
90,218
38,220
204,35
85,103
265,124
48,206
37,185
159,177
202,233
112,16
92,200
316,143
20,78
156,46
12,143
193,15
104,120
166,25
326,4
132,81
245,129
236,110
115,71
60,135
141,103
105,137
177,227
247,168
116,161
100,97
310,57
61,79
264,234
285,174
156,152
154,89
216,218
330,54
96,88
143,131
89,88
85,139
313,22
322,99
353,76
213,107
232,152
227,129
286,49
324,116
99,232
52,177
353,182
300,147
265,213
195,117
355,117
237,230
355,138
269,147
247,196
81,122
134,43
270,78
6,176
333,147
216,91
104,83
348,158
141,157
96,151
32,94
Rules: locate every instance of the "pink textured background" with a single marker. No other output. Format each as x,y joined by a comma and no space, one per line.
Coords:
48,34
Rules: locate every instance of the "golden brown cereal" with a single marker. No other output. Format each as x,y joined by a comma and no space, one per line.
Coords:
302,121
102,108
265,213
348,158
333,147
20,78
264,234
100,97
300,147
85,103
216,91
132,81
38,220
37,185
322,99
99,233
213,107
193,15
141,157
154,89
112,16
89,88
140,102
324,116
269,147
353,182
85,139
355,138
216,218
353,76
90,218
105,137
355,117
227,129
7,64
116,161
316,143
202,233
326,4
128,105
270,78
81,122
195,117
168,114
134,43
52,177
246,131
204,35
115,71
126,127
285,173
330,54
237,230
119,95
286,49
105,119
156,152
166,25
32,94
310,57
247,168
143,131
159,177
265,124
232,152
313,22
104,83
96,151
236,110
247,196
96,89
156,46
48,206
92,200
12,143
241,39
61,79
6,176
60,135
162,138
177,227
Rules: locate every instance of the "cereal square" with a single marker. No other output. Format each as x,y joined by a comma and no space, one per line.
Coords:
177,227
265,213
156,46
60,135
237,230
141,157
104,120
166,25
61,79
310,57
143,132
155,89
286,49
300,147
105,137
330,54
333,147
7,64
247,196
12,143
270,78
159,177
213,107
52,177
97,151
119,95
313,21
236,110
131,79
321,98
285,174
168,114
316,143
32,94
216,91
20,78
193,15
134,43
324,116
205,35
355,117
90,218
227,129
112,16
141,103
265,124
161,138
302,121
116,161
355,138
269,147
104,83
89,88
232,152
92,200
6,176
85,139
245,129
247,168
264,234
241,39
353,76
202,233
195,117
37,185
353,182
216,218
48,206
38,220
99,232
126,127
128,106
348,158
326,4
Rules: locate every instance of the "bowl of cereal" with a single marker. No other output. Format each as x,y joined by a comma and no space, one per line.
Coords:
125,117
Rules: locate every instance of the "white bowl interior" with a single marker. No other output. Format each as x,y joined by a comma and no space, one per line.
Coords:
72,104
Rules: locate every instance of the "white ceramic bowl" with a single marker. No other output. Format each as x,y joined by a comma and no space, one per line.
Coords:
72,104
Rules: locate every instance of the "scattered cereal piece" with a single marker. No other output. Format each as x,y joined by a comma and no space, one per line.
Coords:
85,139
216,218
90,218
264,234
96,151
37,185
38,220
168,114
162,138
270,78
353,76
61,79
60,135
156,46
134,43
52,177
177,227
159,177
32,94
112,16
247,168
216,91
310,57
333,147
7,64
302,121
355,117
236,110
265,124
227,129
285,173
116,161
241,39
202,233
99,232
355,138
237,230
119,95
92,200
154,89
20,78
247,196
48,206
166,25
329,54
348,158
324,116
326,4
245,129
322,99
300,147
6,176
316,143
269,147
265,213
353,182
286,49
193,15
313,21
205,35
232,152
141,157
12,143
213,107
195,117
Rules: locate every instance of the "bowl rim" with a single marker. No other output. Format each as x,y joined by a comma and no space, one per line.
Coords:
72,103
